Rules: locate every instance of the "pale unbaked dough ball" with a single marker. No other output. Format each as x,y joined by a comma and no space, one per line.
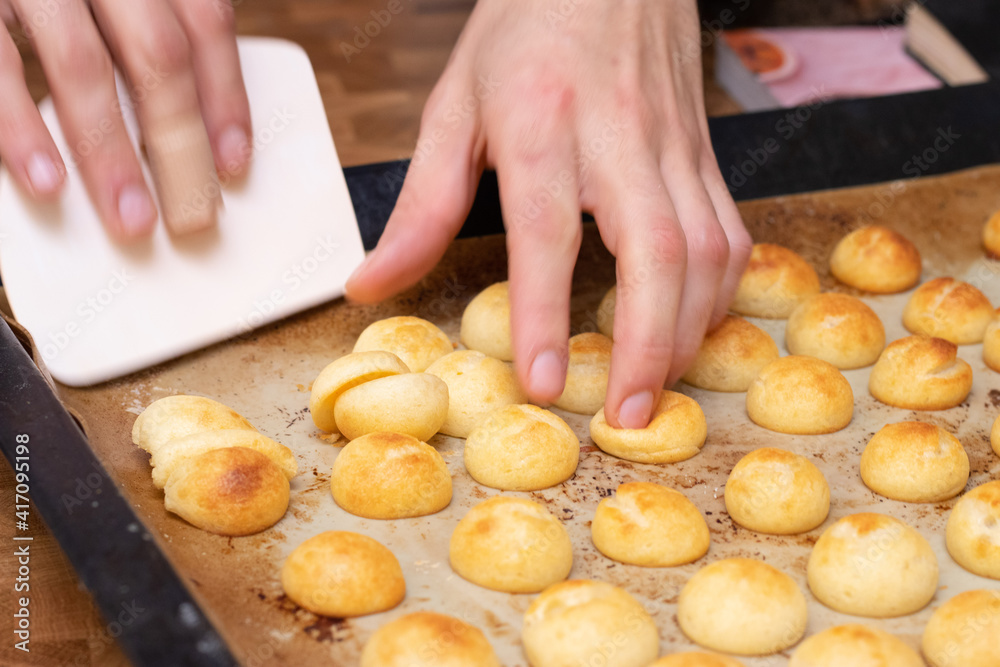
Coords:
390,476
836,328
343,574
742,606
477,385
949,309
915,462
486,323
606,312
650,525
973,532
171,453
512,545
876,259
873,565
800,395
991,344
412,403
428,639
417,342
920,373
731,356
697,659
776,280
963,631
178,416
676,431
991,236
586,374
854,645
778,492
588,622
522,448
344,373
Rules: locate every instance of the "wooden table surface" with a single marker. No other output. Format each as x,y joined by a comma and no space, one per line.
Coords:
374,105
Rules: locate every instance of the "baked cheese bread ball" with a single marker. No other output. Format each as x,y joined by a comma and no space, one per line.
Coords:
177,416
776,280
697,659
973,532
412,403
477,385
512,545
836,328
588,622
650,525
854,645
521,448
486,323
344,373
963,631
343,574
586,374
920,373
775,491
230,491
676,431
872,565
731,356
417,342
949,309
170,454
742,606
428,639
876,259
800,395
991,236
390,476
991,344
606,312
915,462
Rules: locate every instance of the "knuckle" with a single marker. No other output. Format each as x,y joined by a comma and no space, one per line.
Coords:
214,19
666,243
165,47
740,247
709,245
82,62
548,91
550,232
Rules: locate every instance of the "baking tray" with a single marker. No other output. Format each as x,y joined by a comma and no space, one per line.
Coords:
266,376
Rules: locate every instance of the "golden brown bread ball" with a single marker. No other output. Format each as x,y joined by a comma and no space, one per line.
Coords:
697,659
522,448
486,323
775,491
949,309
606,312
417,342
991,344
344,373
477,385
412,403
836,328
776,280
586,374
580,622
512,545
920,373
800,395
230,491
650,525
963,631
177,416
872,565
170,454
427,639
991,236
876,259
343,574
915,462
742,606
731,356
676,431
390,476
854,645
973,532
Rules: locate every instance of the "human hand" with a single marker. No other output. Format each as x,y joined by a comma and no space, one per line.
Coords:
179,60
598,108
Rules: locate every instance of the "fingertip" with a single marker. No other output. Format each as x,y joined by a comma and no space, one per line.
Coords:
633,413
546,377
136,212
45,175
232,150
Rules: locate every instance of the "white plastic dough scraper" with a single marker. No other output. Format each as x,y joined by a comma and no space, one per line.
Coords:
287,239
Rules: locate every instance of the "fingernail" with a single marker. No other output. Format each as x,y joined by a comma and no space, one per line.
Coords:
43,173
135,208
635,410
546,375
234,149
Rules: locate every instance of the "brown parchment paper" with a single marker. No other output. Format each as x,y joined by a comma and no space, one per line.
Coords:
266,376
